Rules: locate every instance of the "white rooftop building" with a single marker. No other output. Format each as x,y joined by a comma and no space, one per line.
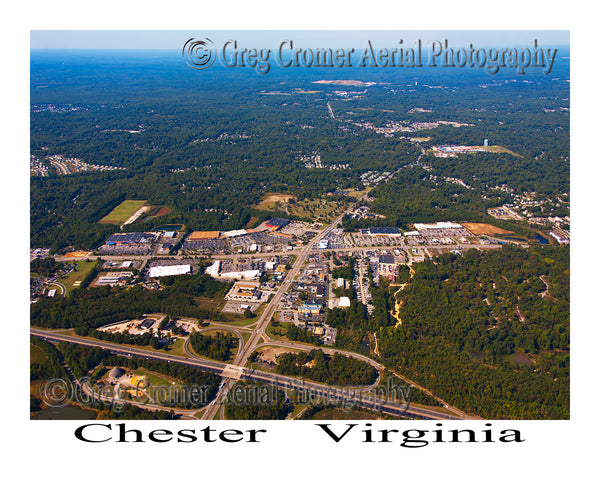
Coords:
243,275
269,265
235,233
167,270
213,270
344,302
429,226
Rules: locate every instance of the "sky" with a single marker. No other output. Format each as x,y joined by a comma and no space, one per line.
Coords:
174,39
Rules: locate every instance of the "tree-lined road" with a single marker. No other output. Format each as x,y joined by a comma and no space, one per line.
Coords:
313,389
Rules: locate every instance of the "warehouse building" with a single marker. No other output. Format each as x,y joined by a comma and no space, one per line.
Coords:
168,270
385,231
436,226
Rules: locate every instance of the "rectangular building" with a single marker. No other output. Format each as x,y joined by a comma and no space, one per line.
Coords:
126,238
168,270
385,231
209,235
276,223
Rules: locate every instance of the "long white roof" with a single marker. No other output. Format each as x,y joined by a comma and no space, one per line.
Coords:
166,270
235,233
426,226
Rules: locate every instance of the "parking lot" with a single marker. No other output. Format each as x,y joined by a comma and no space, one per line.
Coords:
365,240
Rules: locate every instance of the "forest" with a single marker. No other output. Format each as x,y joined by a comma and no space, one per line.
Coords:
218,347
333,369
91,308
83,360
250,400
488,332
210,150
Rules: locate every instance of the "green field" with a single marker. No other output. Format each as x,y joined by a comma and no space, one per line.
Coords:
83,268
156,379
122,212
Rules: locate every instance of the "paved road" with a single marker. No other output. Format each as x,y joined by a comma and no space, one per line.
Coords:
259,331
329,351
60,286
281,381
145,258
186,344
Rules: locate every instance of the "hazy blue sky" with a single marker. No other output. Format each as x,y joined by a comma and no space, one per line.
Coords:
165,39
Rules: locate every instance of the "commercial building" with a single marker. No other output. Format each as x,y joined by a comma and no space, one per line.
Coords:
276,223
385,231
245,291
168,270
213,270
309,308
209,235
241,275
442,229
439,225
235,233
233,270
344,302
387,266
112,278
133,237
146,324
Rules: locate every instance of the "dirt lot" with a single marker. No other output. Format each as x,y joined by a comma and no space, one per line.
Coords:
271,200
158,211
269,354
484,229
76,254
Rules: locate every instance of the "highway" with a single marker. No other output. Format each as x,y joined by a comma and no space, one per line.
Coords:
265,318
258,337
233,373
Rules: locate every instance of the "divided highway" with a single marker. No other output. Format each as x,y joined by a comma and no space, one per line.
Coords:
236,372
